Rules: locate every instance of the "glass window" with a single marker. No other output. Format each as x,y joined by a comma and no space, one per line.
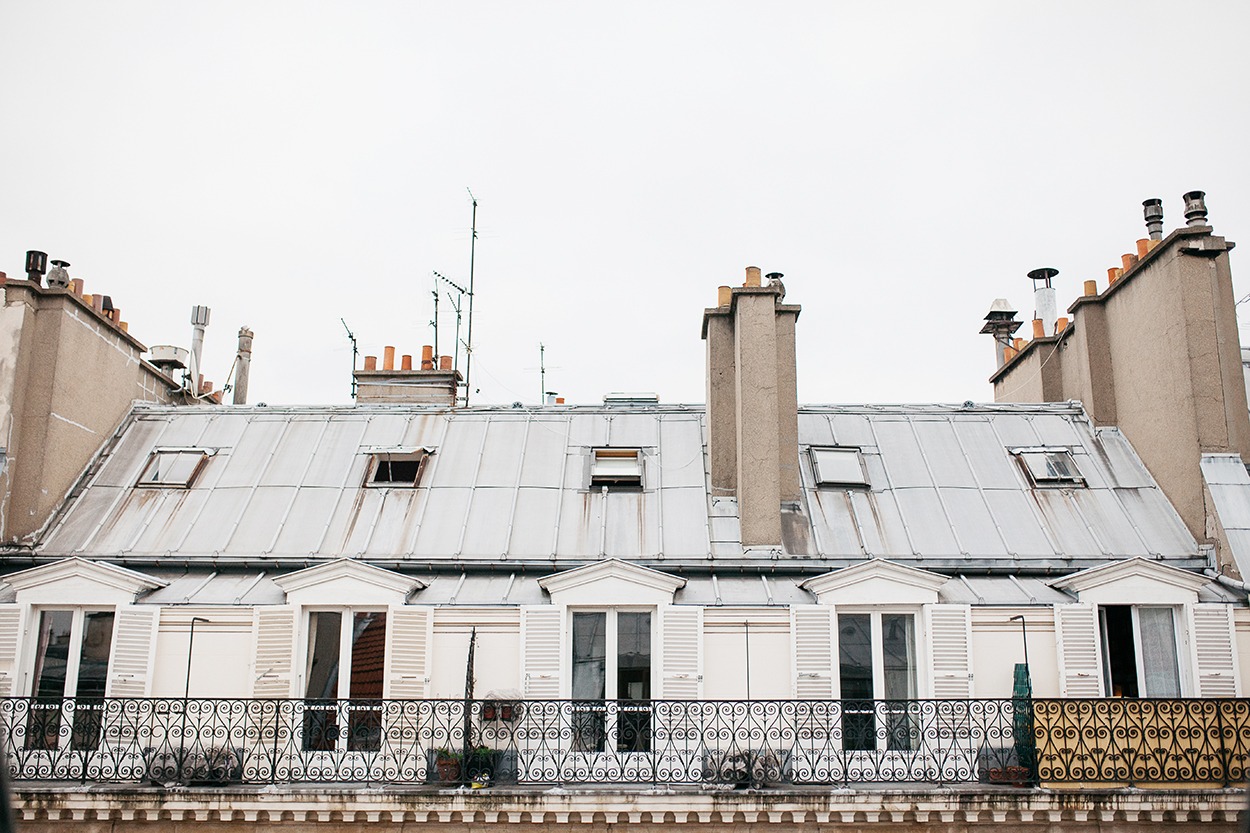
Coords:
838,467
625,636
71,664
1139,654
877,677
172,467
344,692
1050,466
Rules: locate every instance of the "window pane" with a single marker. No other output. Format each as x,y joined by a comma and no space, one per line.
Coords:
1158,647
93,663
589,653
172,468
324,628
898,644
52,653
838,466
368,656
1120,663
633,681
855,655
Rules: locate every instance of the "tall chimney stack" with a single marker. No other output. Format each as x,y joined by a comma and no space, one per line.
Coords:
1045,308
753,405
199,321
243,366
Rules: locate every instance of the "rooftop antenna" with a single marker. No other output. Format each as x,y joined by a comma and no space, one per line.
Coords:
434,323
468,346
542,373
455,304
351,336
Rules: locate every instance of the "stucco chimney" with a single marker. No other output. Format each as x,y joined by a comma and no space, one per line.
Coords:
199,321
753,404
1045,307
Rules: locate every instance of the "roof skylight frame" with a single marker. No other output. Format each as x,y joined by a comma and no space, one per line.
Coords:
397,468
616,468
843,466
173,468
1049,466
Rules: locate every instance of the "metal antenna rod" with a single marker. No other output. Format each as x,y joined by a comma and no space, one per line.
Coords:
542,374
468,347
354,352
455,303
435,322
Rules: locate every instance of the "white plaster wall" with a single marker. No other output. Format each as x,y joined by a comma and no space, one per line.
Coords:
497,655
222,664
725,654
997,646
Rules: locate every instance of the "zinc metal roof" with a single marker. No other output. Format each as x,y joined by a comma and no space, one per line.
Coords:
507,486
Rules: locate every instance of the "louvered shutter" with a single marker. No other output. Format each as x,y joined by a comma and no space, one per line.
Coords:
10,631
273,675
1080,662
681,635
949,630
540,651
130,668
408,654
811,628
1214,650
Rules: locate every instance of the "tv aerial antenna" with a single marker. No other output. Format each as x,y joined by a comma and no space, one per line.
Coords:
355,351
455,301
468,345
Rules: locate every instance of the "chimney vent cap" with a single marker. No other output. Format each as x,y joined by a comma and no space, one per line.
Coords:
1044,274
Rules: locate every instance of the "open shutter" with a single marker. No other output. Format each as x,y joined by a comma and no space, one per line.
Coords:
130,671
540,650
949,632
812,629
1080,662
409,629
1214,650
273,675
10,631
681,634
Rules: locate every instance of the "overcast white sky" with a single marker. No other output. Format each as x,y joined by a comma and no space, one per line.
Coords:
288,164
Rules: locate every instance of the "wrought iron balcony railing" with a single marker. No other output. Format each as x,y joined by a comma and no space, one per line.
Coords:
660,742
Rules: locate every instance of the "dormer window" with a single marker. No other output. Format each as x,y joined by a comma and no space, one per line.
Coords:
397,469
1049,466
616,468
838,467
173,467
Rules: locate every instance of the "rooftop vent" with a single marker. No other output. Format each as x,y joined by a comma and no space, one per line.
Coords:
58,278
627,400
36,265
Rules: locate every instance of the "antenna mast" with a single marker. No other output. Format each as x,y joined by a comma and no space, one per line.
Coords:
542,374
468,347
434,323
354,352
455,304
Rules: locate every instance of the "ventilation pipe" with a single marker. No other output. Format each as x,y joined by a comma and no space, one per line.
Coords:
199,321
1195,209
1000,323
243,365
1153,209
58,278
1045,307
36,265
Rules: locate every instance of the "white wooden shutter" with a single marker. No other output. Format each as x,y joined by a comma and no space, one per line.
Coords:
1080,660
10,632
409,632
681,635
949,629
130,667
1214,647
812,640
273,674
540,650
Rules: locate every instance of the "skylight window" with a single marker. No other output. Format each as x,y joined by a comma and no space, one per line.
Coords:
173,467
838,467
616,468
398,469
1049,466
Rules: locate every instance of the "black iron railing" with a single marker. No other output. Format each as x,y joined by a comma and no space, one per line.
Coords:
755,743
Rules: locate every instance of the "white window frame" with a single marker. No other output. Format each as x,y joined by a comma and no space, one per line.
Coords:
923,662
376,457
611,646
345,644
1179,641
144,482
1076,481
613,480
76,633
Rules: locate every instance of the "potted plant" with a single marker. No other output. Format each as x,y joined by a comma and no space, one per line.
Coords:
447,764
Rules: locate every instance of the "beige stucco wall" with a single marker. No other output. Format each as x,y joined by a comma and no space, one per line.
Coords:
67,378
997,645
222,665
